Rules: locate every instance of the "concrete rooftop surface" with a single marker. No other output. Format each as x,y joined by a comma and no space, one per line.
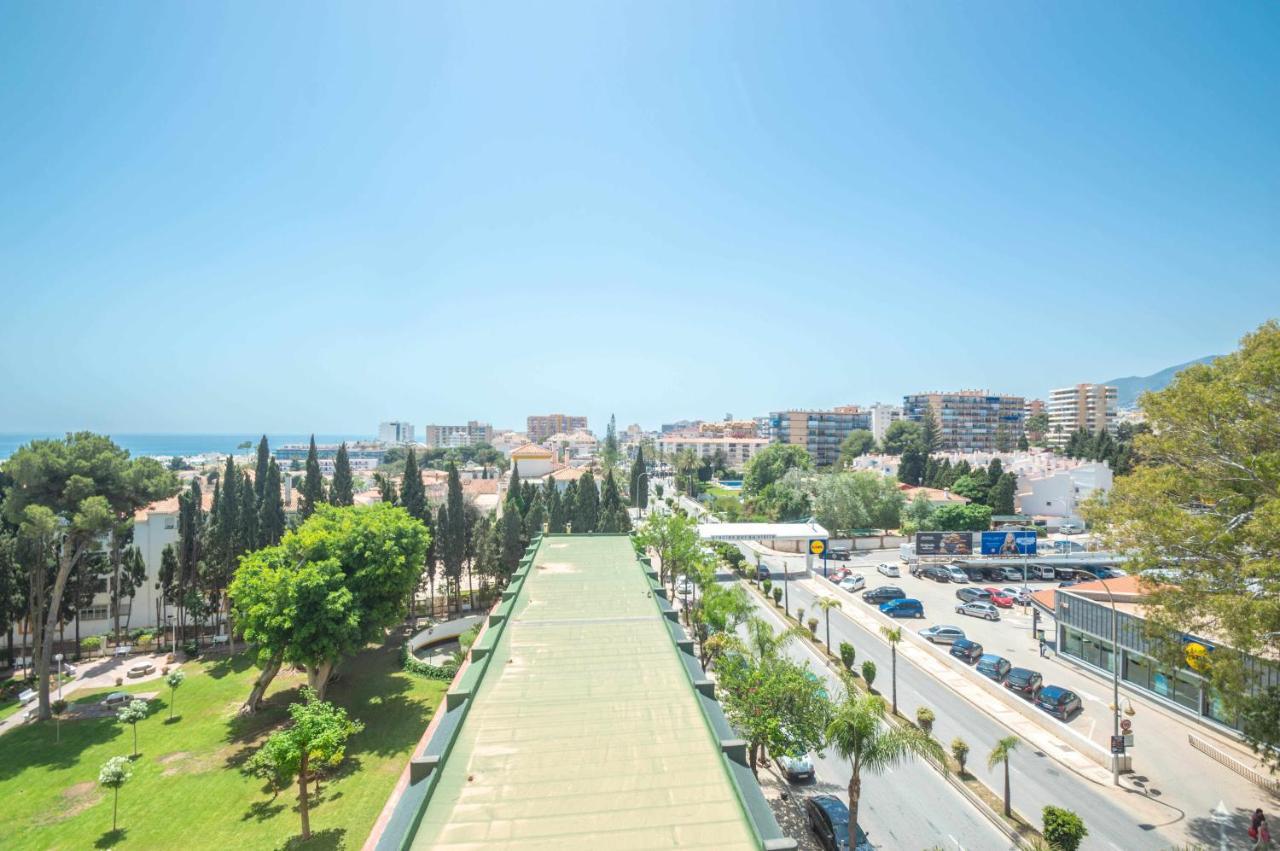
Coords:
585,731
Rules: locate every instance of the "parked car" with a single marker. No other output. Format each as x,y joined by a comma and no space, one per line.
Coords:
994,667
1040,571
1068,583
978,610
936,573
888,569
957,574
904,608
915,568
942,634
762,572
883,594
999,598
1022,595
839,573
1024,681
971,595
853,582
828,818
684,588
1012,574
963,648
116,698
1058,701
796,768
839,553
1071,527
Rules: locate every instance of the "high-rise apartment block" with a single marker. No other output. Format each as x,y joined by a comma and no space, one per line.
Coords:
456,436
395,432
819,432
540,428
1086,406
883,416
970,420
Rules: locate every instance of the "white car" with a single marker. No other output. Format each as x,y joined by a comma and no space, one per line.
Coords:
1022,595
888,569
796,768
853,582
684,588
978,610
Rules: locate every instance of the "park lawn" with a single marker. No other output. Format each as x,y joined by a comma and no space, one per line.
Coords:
187,788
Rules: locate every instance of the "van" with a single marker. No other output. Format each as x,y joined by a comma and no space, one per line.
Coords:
1040,571
907,608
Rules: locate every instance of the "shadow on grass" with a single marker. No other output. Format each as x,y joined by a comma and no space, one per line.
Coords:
111,838
263,810
34,746
321,840
227,665
173,720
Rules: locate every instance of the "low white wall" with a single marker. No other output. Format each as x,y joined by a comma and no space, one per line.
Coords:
446,631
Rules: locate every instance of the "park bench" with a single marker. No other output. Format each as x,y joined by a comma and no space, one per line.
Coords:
27,696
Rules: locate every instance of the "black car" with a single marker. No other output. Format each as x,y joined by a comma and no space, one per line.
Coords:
1058,702
936,573
963,648
973,595
993,667
829,820
883,594
762,573
1024,681
839,553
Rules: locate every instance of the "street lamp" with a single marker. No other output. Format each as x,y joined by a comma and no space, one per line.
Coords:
1115,674
58,659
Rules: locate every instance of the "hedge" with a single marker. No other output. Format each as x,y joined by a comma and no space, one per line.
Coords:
414,665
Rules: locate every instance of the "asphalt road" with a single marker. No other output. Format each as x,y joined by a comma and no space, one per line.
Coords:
1037,779
909,806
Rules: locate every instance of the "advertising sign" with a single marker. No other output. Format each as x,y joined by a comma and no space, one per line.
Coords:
944,543
1117,745
817,546
1008,543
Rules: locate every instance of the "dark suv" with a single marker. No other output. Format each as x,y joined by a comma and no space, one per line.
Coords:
963,648
993,667
1058,702
883,594
972,595
1024,681
828,818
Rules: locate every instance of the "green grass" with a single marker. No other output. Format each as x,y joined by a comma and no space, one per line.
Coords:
187,787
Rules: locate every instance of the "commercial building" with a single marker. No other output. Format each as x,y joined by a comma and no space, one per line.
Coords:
1083,616
971,420
1057,493
457,436
540,428
395,432
1092,407
819,432
582,720
882,416
737,450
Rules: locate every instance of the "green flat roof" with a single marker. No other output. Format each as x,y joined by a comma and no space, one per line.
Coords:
585,731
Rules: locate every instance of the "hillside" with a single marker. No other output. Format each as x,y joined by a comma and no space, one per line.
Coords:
1135,385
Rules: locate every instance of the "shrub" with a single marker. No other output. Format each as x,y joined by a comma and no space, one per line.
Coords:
416,666
119,681
869,672
847,655
1063,829
777,596
960,750
800,614
92,644
767,585
925,718
813,626
191,648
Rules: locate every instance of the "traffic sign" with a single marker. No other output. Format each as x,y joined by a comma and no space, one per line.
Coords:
1128,740
1126,725
1117,745
817,546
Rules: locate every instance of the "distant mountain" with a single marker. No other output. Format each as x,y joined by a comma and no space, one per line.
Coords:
1134,386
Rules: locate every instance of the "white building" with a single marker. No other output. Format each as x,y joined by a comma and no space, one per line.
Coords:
1058,493
738,450
457,436
395,432
882,416
532,461
1086,406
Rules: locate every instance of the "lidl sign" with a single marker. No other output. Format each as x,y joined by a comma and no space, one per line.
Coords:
817,546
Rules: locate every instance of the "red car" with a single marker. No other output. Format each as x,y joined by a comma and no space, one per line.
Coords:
839,573
1000,598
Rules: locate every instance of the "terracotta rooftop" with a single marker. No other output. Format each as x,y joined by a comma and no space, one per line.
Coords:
532,450
934,494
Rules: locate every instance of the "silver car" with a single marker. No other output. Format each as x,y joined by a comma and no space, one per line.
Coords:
796,768
942,634
888,569
957,575
853,582
978,610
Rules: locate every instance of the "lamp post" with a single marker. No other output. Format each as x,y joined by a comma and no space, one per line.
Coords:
1115,674
58,659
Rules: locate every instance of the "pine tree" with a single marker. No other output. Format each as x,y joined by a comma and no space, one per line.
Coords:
413,495
931,470
312,496
260,471
587,516
609,452
342,491
271,519
930,435
639,481
613,514
1000,497
995,470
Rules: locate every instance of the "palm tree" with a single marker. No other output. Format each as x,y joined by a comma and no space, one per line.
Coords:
827,604
858,733
763,642
893,635
1000,754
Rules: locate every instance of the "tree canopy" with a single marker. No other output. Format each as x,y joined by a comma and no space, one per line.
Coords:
848,501
857,442
770,464
899,435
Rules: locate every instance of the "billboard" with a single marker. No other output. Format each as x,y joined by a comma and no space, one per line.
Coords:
1008,543
944,543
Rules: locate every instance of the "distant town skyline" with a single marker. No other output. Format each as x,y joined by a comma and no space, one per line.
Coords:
299,217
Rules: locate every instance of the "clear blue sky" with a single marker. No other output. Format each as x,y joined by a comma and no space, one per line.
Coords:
293,217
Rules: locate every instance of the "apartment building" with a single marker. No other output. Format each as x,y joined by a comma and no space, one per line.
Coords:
970,420
540,427
457,436
1084,406
882,416
819,432
395,432
738,450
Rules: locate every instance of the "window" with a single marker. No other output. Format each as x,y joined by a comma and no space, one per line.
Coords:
170,523
94,613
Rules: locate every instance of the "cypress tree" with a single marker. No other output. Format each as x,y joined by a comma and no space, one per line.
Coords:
312,495
454,531
512,549
534,519
260,471
413,496
342,490
587,516
1001,494
995,470
555,511
271,518
387,489
637,476
613,514
569,505
248,531
513,490
528,491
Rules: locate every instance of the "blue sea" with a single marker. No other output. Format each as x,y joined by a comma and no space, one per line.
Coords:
184,445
